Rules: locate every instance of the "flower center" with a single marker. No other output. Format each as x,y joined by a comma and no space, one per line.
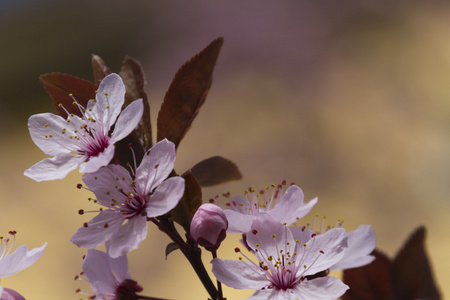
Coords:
89,133
134,205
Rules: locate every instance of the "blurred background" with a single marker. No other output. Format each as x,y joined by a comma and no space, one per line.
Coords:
348,99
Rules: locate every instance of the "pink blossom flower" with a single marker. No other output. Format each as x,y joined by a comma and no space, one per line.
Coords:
284,206
361,243
108,276
209,226
284,263
130,200
85,141
13,263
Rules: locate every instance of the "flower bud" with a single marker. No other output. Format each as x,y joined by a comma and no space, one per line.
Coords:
209,226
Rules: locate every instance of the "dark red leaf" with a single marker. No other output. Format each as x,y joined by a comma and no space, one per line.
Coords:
188,205
59,86
215,170
170,248
412,277
371,282
133,77
187,93
101,70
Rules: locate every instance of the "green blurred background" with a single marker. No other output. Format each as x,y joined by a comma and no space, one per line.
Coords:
348,99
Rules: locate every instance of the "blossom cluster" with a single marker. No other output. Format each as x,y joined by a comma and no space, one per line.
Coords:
283,257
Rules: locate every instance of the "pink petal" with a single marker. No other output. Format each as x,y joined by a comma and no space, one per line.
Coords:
361,243
41,126
100,229
165,197
237,222
332,243
128,120
239,274
128,237
291,207
104,182
7,294
54,168
324,288
155,166
262,231
96,162
100,269
19,260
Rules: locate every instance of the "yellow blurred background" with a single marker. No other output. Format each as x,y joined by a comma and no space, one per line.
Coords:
348,99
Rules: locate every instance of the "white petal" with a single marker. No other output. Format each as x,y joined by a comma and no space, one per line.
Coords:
165,197
54,168
46,132
96,162
155,166
361,242
324,250
291,207
100,229
272,294
115,89
19,260
128,120
128,236
237,222
239,274
323,288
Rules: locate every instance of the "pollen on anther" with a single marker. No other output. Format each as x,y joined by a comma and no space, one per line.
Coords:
46,125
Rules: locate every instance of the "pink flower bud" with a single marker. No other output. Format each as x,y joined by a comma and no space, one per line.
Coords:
209,226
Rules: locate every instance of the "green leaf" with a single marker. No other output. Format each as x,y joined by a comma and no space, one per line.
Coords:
59,86
101,70
412,277
170,248
187,93
371,282
215,170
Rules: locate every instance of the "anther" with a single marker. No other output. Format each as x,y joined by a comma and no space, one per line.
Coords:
81,212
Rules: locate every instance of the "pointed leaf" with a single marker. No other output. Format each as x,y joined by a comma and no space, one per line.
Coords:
371,282
191,201
133,77
412,277
187,93
170,248
100,69
59,86
215,170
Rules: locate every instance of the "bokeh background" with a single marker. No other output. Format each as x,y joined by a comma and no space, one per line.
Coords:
348,99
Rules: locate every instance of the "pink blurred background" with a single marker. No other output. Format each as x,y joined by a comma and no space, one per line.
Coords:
348,99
